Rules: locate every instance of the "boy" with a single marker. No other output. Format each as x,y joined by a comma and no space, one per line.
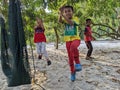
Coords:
88,38
71,38
40,40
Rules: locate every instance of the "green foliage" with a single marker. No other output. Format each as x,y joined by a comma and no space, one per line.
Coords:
100,11
0,35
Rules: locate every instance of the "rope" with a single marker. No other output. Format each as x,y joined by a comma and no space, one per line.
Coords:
34,66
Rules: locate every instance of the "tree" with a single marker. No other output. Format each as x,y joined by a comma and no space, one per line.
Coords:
102,12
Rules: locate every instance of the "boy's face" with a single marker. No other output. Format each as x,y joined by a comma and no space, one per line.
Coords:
68,12
89,22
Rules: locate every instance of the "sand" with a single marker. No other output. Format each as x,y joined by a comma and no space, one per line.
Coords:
101,73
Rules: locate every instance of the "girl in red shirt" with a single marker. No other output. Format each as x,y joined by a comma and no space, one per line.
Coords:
40,40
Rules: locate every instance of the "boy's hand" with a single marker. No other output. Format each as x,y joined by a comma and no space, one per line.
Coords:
61,9
61,14
93,39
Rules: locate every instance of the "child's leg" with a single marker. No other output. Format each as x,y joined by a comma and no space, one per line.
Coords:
74,49
70,56
86,42
90,48
44,52
38,48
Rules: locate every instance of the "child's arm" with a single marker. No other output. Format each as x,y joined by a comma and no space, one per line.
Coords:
40,24
35,27
93,38
60,15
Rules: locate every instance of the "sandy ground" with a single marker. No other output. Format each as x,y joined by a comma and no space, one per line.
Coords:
102,73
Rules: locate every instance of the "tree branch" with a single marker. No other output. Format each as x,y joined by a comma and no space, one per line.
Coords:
99,24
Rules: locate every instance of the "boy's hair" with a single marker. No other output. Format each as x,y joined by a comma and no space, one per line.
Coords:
88,19
69,7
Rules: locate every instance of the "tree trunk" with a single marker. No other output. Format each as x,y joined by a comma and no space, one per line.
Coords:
57,37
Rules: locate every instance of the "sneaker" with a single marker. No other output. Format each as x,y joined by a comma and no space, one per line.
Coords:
40,57
78,67
48,62
73,77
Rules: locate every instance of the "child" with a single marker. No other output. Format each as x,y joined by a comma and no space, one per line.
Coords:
88,38
71,38
40,40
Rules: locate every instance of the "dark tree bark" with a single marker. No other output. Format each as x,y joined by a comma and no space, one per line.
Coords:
57,37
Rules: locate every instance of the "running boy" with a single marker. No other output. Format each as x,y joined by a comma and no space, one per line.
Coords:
40,40
71,38
88,38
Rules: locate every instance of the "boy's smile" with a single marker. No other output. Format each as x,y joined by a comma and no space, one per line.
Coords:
68,12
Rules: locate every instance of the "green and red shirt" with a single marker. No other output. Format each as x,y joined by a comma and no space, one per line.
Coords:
71,31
